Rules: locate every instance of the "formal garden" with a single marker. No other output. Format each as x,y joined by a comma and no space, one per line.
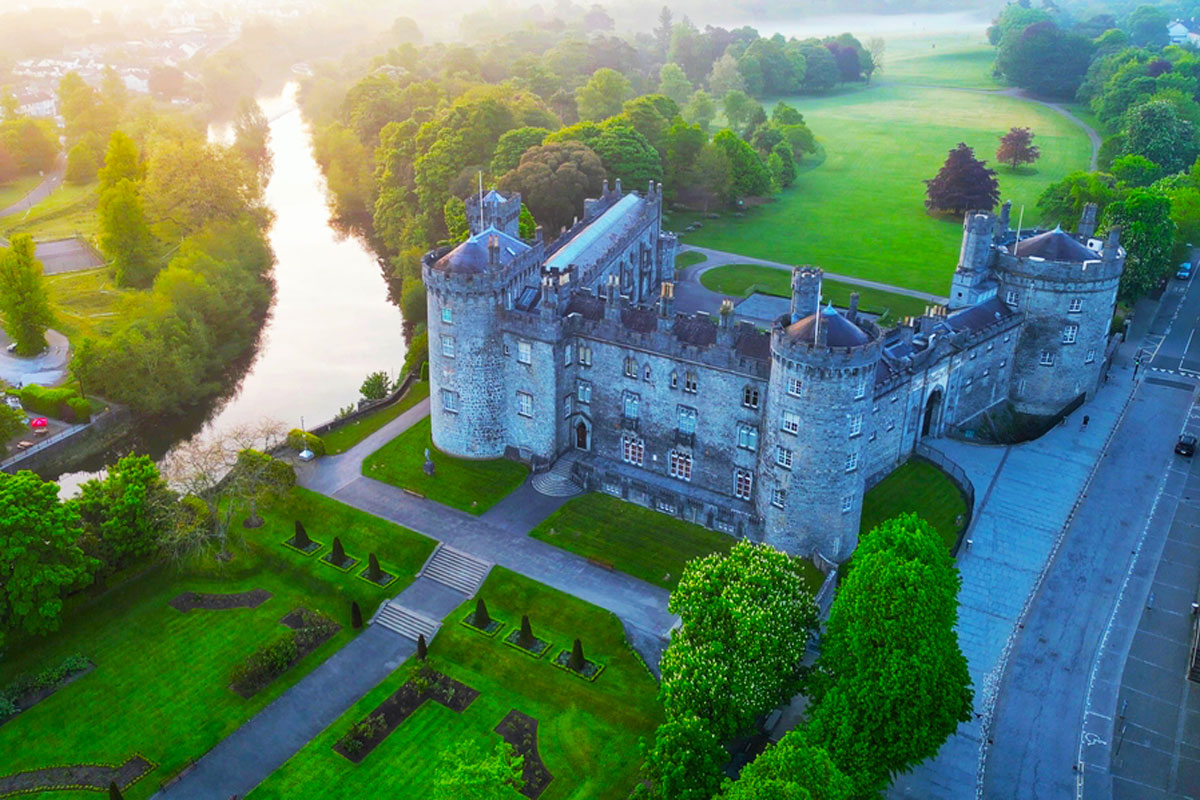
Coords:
578,736
149,673
472,486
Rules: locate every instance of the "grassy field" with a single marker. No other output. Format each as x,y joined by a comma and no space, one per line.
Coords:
17,188
587,732
738,280
345,437
861,211
70,210
960,60
916,486
85,303
161,683
689,259
473,486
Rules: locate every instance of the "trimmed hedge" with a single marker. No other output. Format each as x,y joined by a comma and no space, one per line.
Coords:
62,403
297,440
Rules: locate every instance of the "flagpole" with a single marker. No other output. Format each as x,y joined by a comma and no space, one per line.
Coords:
817,325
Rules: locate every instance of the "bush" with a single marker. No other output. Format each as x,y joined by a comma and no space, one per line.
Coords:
412,301
301,539
425,371
47,678
263,665
298,440
356,620
362,732
418,352
7,708
81,409
62,403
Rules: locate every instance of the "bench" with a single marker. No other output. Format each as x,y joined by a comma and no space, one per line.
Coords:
599,562
414,493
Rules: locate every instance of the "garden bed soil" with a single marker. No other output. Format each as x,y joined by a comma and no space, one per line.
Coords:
452,694
313,546
520,730
32,698
539,648
296,619
591,670
493,627
220,602
95,777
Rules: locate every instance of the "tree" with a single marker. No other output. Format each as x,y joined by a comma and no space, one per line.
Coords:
114,792
356,617
1045,60
821,69
1016,148
374,573
252,136
464,772
81,164
12,422
554,180
120,161
1157,131
166,81
454,214
784,172
876,47
576,661
628,156
39,558
23,299
1147,26
337,553
748,176
602,96
301,538
750,601
526,224
1147,233
525,638
481,619
662,34
711,175
1062,203
700,109
673,82
726,77
683,143
513,144
964,183
126,511
1135,171
793,769
422,647
191,184
891,683
685,761
260,478
125,236
376,386
739,108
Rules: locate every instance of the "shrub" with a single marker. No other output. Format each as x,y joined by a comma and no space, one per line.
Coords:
418,352
263,665
425,370
114,793
81,409
298,440
7,708
301,539
62,403
356,620
422,647
337,555
481,618
374,573
526,637
362,732
577,661
315,629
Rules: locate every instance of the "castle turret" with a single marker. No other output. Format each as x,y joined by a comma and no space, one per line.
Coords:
972,279
817,420
806,291
494,210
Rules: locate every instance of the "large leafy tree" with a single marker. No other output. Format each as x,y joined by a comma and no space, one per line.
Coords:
127,510
190,184
1017,148
628,156
711,175
746,620
964,183
1062,202
1147,26
12,422
1147,233
739,107
891,682
1157,131
1045,60
603,95
821,69
748,175
793,769
121,161
39,558
554,180
685,761
513,144
125,236
23,299
700,109
673,82
465,772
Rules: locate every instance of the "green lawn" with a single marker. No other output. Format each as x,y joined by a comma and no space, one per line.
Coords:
916,486
17,188
345,437
587,732
85,303
688,259
160,687
473,486
960,60
861,212
637,540
70,210
739,280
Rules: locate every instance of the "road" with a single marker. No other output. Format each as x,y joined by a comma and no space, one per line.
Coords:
41,191
1034,735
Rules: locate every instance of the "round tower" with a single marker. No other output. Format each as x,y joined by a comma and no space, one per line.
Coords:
812,463
1066,286
466,364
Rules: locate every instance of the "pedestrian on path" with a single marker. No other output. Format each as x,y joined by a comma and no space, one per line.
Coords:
1086,420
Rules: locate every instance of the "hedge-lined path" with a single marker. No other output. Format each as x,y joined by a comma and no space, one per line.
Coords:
79,776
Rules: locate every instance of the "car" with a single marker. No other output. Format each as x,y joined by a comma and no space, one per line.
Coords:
1185,271
1186,446
13,401
12,347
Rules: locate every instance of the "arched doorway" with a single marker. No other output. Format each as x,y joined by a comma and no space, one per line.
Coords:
582,436
933,413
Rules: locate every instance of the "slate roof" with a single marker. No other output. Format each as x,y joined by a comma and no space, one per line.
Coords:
595,239
695,331
1055,245
471,257
756,344
586,305
836,330
980,315
642,320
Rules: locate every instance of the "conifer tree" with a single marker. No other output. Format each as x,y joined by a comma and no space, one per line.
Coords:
337,555
481,618
422,647
525,639
23,299
301,539
114,792
356,620
374,573
577,660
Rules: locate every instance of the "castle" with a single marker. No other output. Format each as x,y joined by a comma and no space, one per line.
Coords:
538,350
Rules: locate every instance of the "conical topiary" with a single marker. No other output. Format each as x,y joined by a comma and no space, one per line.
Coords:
114,792
355,615
481,618
525,639
338,554
374,573
301,539
422,648
576,661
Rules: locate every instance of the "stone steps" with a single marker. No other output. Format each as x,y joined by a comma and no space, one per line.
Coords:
557,481
460,571
406,622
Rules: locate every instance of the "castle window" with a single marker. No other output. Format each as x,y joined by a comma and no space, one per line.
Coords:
665,507
687,419
856,425
872,437
568,405
847,504
1010,298
990,346
1003,363
633,450
852,462
791,422
585,355
861,391
524,353
630,367
584,392
1047,359
1070,333
447,316
973,355
689,382
747,437
793,387
750,397
777,497
680,465
674,380
891,426
631,405
1075,306
450,401
646,373
525,404
1007,337
1091,355
507,351
783,457
448,346
567,356
743,483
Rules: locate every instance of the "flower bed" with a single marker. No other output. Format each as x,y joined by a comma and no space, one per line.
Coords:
591,670
346,564
220,602
537,648
309,630
520,730
90,777
27,691
312,546
385,578
493,627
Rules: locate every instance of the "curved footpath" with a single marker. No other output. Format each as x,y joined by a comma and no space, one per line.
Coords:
40,192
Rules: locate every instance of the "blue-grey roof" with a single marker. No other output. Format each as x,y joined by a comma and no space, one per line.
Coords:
834,331
1056,245
472,255
596,237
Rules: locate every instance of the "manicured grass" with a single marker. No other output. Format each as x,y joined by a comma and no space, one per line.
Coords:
473,486
85,303
688,259
959,60
345,437
587,733
161,683
861,212
70,210
739,280
17,188
920,487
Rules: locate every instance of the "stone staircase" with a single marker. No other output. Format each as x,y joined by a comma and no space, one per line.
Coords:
460,571
405,621
558,481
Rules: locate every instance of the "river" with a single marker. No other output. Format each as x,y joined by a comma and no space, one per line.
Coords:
330,323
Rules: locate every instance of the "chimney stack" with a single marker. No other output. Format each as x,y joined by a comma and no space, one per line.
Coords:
666,301
1087,222
852,315
493,249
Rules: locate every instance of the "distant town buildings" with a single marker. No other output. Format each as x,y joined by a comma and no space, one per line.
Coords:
1183,32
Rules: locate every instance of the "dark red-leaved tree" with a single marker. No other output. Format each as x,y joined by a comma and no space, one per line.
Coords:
964,183
1017,148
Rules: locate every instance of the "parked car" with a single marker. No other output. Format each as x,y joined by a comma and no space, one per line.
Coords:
1186,446
1185,271
13,401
